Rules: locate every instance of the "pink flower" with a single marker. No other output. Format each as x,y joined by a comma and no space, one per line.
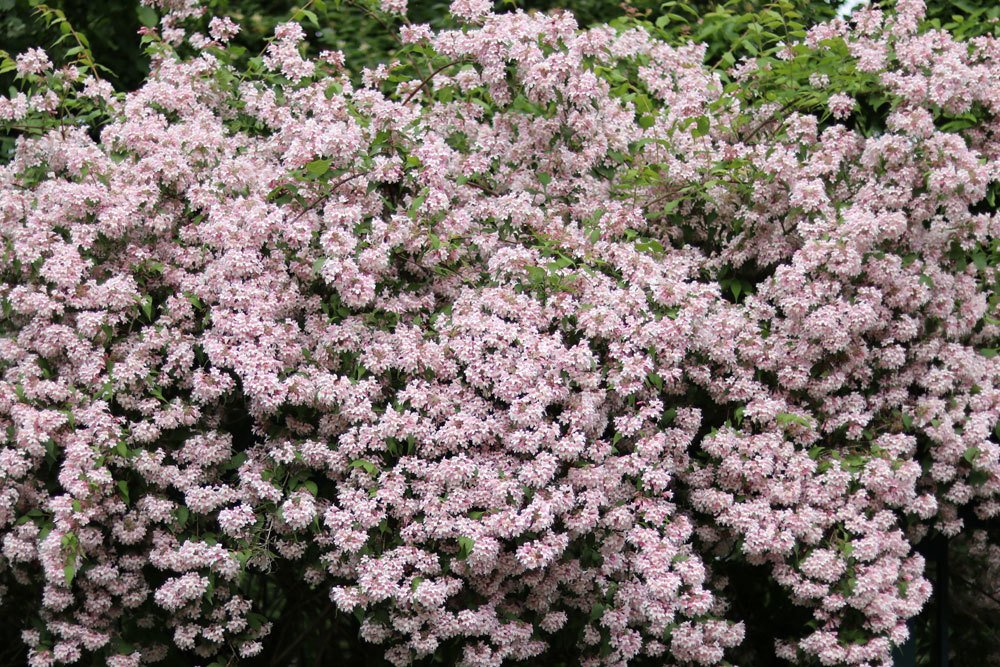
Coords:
33,61
223,28
841,105
393,6
470,10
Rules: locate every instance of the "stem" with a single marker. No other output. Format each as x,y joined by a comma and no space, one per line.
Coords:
316,202
85,56
769,119
427,79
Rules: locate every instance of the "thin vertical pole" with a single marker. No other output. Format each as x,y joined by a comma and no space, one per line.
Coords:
905,655
942,604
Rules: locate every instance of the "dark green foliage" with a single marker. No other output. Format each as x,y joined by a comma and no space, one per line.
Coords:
726,27
110,25
364,36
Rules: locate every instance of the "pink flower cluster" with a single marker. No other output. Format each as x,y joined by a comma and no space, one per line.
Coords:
443,347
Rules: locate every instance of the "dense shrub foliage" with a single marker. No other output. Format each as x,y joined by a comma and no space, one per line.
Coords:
349,25
533,342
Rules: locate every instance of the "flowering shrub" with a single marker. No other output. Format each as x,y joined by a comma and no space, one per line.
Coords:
533,337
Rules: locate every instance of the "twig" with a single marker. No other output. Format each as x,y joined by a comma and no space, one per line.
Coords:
488,190
769,119
427,79
85,55
975,587
656,201
378,19
319,200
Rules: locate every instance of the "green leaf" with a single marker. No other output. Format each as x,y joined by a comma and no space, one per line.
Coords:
69,572
333,89
670,206
157,393
107,391
978,477
256,620
147,16
367,466
147,306
415,205
318,167
544,178
536,273
123,487
738,413
465,546
971,454
236,461
195,301
784,418
310,16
